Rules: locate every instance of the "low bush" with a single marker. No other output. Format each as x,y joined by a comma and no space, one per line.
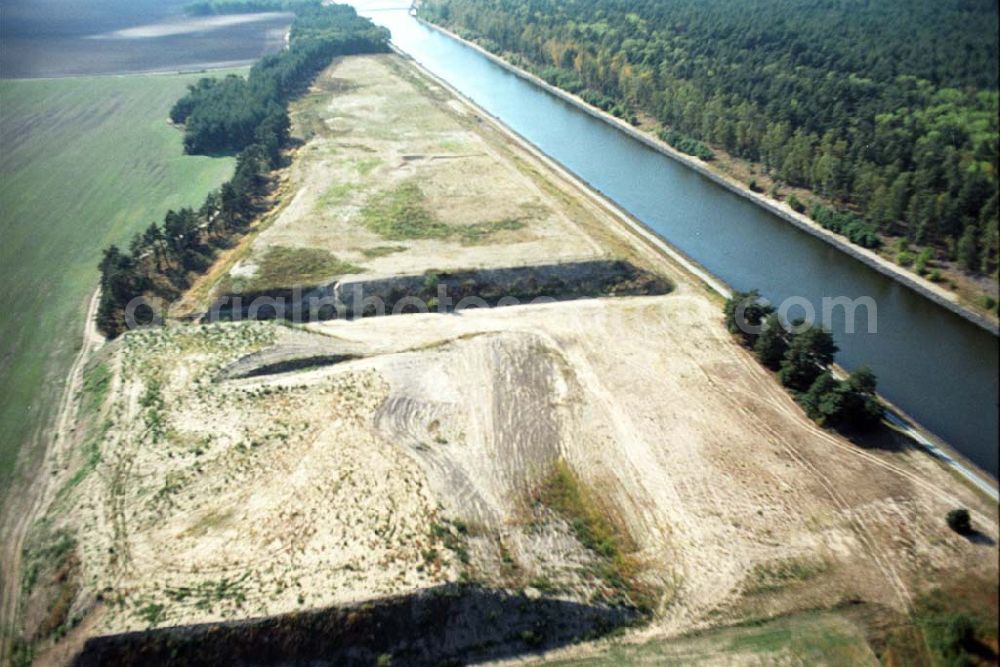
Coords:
959,521
795,204
857,230
686,144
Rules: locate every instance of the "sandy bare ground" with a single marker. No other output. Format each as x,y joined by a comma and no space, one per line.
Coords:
714,468
220,498
226,485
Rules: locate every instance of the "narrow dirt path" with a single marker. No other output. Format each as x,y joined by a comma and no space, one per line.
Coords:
24,508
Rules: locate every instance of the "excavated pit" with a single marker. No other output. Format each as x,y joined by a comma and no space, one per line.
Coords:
445,292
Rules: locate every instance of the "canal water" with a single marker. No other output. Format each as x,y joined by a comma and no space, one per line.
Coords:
936,366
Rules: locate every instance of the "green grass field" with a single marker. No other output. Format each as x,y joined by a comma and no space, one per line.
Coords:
807,639
83,163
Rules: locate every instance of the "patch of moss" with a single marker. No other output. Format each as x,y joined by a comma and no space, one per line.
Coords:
773,576
284,267
206,593
91,459
96,383
482,231
53,550
401,214
334,196
365,166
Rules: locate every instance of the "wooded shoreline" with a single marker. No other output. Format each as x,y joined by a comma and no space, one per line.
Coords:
919,285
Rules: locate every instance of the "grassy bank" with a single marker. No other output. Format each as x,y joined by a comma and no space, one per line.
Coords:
84,163
806,639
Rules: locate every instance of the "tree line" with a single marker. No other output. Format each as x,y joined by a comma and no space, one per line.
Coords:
886,109
227,115
803,357
249,118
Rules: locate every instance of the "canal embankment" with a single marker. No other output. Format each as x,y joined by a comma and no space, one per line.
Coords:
922,286
922,437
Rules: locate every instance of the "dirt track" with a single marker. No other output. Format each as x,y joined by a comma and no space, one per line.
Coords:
23,510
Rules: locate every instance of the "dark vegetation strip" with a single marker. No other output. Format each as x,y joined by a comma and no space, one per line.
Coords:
887,110
509,286
442,292
248,117
563,493
803,357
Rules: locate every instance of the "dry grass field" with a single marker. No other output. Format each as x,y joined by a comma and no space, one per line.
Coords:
394,178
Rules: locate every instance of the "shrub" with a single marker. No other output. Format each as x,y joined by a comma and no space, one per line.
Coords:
686,144
772,343
847,224
920,265
754,312
809,353
959,521
597,99
561,78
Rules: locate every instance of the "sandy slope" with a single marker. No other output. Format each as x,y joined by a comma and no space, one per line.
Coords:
221,498
712,466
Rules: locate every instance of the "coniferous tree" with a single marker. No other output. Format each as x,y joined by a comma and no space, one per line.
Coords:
808,355
772,344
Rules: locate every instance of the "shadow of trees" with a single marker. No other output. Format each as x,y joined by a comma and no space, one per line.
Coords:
450,624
